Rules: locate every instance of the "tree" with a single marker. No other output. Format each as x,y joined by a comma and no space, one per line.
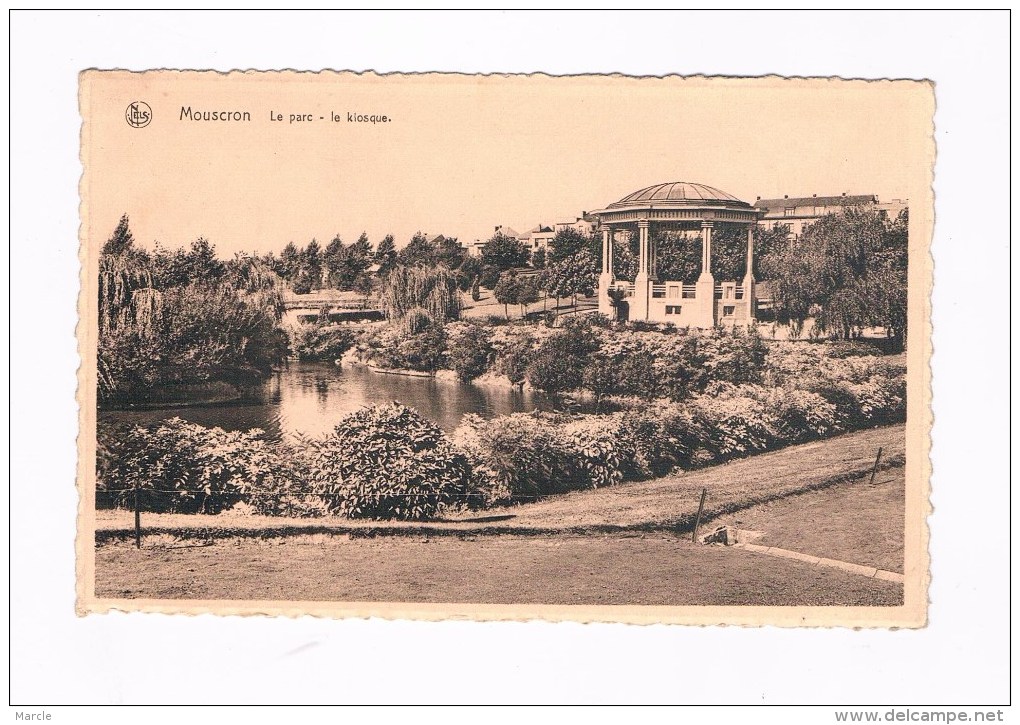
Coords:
386,255
527,293
311,264
599,378
538,258
678,255
332,257
848,270
573,276
450,253
121,240
625,258
202,262
346,266
434,290
568,243
290,261
468,272
507,291
418,252
503,252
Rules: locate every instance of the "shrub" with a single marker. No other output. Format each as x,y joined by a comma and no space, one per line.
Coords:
520,455
321,342
388,462
802,415
515,357
665,437
527,456
845,349
736,419
636,375
598,451
425,351
558,364
737,358
600,377
472,353
182,467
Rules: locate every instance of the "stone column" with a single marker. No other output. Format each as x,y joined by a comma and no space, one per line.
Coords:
749,276
704,289
642,285
606,278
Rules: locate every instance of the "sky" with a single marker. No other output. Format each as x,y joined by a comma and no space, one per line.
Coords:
461,154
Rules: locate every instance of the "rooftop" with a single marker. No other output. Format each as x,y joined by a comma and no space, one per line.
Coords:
677,193
842,200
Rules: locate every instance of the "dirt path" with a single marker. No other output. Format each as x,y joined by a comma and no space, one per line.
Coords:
651,569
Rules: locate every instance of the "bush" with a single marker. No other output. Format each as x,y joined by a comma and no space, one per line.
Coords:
600,377
636,375
321,342
388,462
520,456
425,351
516,356
527,456
472,353
841,349
182,467
737,358
558,364
739,423
802,415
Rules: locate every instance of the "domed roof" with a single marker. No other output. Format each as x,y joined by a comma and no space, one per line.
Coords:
678,193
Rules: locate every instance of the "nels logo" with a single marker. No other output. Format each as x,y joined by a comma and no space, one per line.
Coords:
138,114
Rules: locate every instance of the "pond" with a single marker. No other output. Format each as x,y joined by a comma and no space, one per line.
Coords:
310,398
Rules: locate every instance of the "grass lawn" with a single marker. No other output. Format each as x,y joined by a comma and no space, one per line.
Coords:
855,522
487,304
653,569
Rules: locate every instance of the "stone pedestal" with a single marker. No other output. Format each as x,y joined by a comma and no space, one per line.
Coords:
704,301
605,303
639,302
749,298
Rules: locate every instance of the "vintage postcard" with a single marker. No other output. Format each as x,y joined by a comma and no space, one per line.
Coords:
432,346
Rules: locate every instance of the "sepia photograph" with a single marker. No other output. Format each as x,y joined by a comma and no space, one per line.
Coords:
496,358
487,346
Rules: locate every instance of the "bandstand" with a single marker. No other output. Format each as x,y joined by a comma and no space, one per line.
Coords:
677,206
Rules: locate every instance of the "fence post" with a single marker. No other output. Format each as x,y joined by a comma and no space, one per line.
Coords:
697,521
138,520
874,470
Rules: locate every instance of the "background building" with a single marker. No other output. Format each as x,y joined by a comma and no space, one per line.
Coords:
801,212
538,238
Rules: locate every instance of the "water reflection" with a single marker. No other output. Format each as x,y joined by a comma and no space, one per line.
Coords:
310,398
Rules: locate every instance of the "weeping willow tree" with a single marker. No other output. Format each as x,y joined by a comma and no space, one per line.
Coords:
433,290
848,271
154,338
